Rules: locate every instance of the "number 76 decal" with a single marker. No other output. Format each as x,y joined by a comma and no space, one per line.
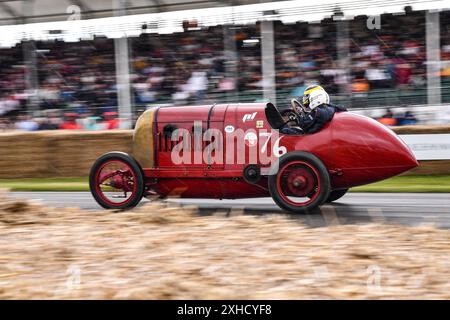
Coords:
277,151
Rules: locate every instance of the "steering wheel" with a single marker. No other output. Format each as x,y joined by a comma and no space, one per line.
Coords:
292,117
298,107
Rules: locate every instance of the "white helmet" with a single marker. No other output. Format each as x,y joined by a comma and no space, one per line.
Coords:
314,96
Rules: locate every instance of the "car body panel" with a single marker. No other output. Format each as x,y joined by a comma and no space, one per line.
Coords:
355,149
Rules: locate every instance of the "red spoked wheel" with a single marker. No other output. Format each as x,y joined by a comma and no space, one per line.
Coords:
301,183
116,181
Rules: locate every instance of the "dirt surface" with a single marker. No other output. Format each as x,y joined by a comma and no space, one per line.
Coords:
160,252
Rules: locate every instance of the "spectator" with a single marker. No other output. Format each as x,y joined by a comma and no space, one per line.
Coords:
6,124
93,123
70,122
403,74
388,118
26,123
47,124
408,119
110,120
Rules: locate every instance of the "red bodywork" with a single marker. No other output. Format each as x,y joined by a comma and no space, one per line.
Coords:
355,149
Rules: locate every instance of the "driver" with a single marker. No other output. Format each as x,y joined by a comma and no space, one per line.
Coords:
319,111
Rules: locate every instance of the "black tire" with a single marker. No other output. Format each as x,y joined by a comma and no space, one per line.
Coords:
323,177
336,194
136,197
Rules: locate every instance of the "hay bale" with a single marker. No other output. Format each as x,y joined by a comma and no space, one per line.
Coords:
431,167
71,153
57,153
421,129
74,153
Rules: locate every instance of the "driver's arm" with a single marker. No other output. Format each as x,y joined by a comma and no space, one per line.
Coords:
306,120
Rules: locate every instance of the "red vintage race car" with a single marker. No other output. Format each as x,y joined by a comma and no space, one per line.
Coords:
229,151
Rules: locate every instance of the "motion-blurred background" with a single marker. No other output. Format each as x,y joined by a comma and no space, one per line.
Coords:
78,64
96,65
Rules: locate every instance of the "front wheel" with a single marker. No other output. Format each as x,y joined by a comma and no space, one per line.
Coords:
116,181
301,183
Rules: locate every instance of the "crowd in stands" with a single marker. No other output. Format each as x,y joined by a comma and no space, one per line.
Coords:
77,81
51,120
392,56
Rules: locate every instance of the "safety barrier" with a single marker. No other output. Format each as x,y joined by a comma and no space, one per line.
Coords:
432,145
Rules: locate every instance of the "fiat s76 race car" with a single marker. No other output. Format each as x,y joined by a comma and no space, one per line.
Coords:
229,151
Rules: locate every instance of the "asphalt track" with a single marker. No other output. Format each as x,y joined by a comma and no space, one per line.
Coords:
393,208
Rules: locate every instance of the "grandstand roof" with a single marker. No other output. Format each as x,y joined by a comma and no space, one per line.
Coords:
20,11
28,11
50,20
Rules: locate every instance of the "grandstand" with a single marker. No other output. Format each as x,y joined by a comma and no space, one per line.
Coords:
90,61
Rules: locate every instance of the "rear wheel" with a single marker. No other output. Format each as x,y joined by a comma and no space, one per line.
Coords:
116,181
336,194
301,183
